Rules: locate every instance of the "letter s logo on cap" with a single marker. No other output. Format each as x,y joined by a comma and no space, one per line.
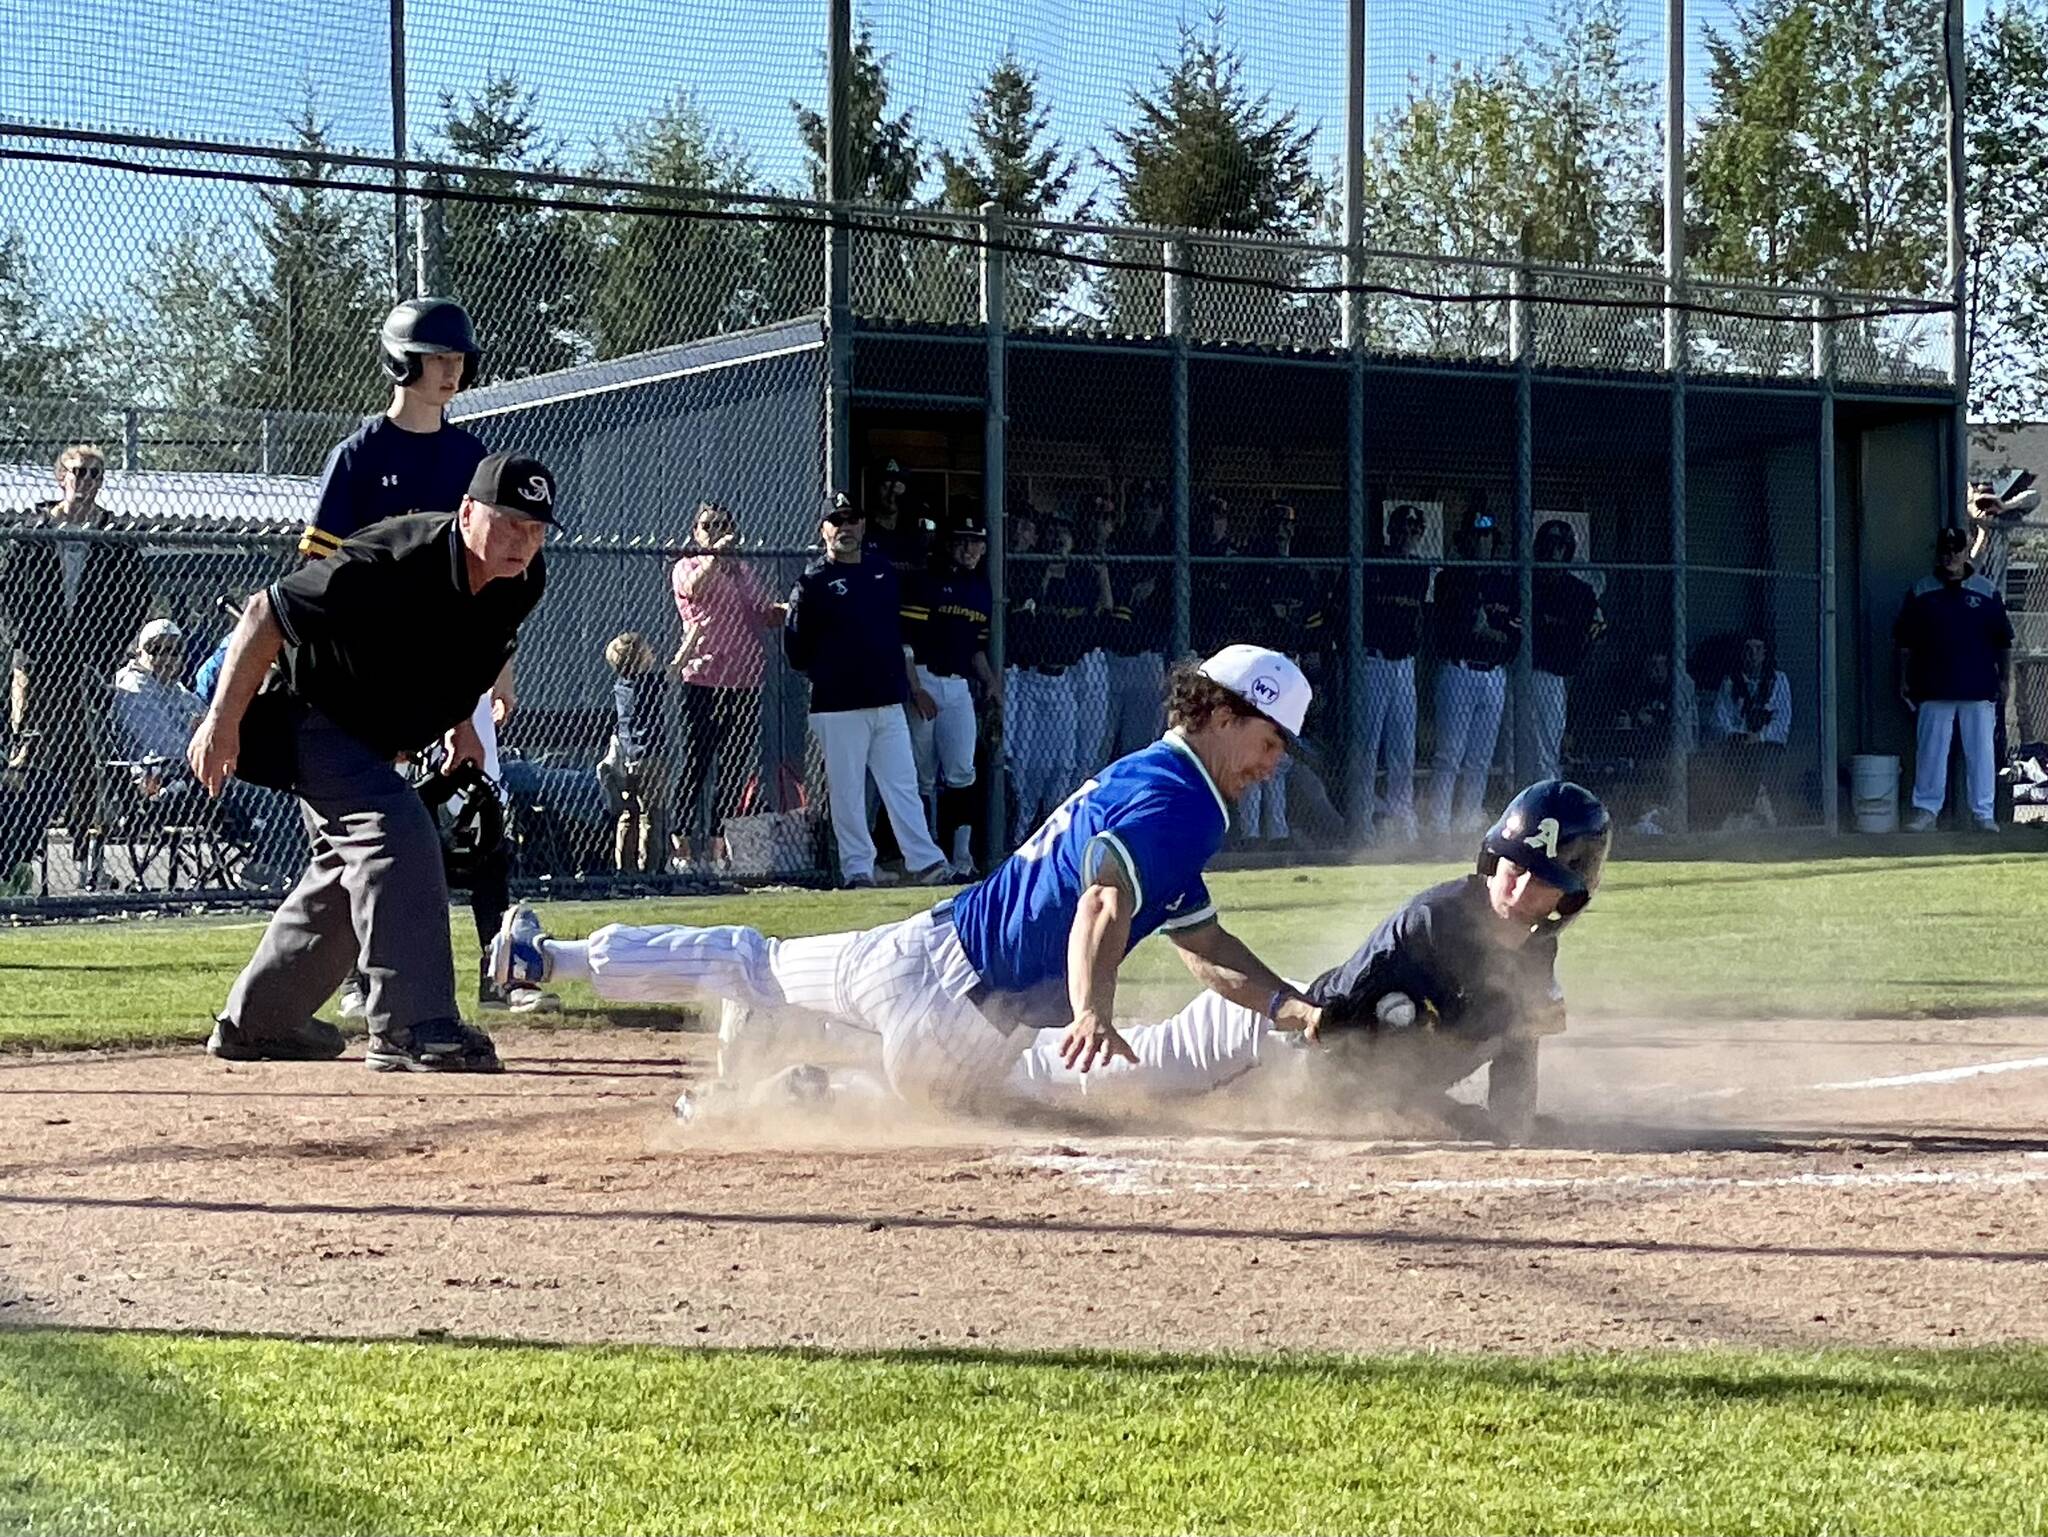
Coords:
538,490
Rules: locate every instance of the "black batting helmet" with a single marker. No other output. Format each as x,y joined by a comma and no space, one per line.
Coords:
1557,541
421,326
1557,831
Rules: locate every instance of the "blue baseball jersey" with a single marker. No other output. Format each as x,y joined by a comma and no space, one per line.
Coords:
382,471
1156,813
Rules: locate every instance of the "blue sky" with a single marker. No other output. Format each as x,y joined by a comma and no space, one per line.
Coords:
239,70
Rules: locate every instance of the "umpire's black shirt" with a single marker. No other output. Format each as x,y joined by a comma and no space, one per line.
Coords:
386,639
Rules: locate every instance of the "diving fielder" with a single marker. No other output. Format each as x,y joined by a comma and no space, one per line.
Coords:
958,993
1462,976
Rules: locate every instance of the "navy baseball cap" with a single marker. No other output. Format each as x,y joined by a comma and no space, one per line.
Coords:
518,483
841,509
1951,541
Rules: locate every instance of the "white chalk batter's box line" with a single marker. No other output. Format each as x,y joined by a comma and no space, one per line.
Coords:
1138,1174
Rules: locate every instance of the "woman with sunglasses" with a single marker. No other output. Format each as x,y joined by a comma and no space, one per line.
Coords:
724,609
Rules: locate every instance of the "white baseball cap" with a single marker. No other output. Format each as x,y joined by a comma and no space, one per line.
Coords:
1265,680
158,629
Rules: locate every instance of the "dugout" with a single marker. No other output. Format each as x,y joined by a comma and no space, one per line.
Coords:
1705,509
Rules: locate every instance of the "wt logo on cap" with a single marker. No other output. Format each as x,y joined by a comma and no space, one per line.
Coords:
1264,690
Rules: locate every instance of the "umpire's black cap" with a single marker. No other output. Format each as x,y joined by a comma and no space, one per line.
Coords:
518,483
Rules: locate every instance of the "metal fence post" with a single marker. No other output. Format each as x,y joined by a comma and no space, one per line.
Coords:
1677,355
1674,184
994,479
401,267
267,446
1953,86
131,438
1522,732
1358,770
1177,448
839,247
1684,696
430,246
1830,683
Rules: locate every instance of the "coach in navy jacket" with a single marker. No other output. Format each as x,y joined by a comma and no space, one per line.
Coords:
845,633
1953,637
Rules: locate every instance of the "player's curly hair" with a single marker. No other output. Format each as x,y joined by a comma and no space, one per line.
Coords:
1192,697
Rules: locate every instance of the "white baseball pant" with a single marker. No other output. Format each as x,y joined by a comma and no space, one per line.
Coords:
1468,706
855,744
1262,809
1547,699
1210,1043
906,983
1937,722
1389,728
1039,731
1137,704
1089,681
943,745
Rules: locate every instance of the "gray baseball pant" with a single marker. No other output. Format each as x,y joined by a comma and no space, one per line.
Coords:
374,893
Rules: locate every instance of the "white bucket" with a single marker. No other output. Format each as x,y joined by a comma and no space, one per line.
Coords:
1874,793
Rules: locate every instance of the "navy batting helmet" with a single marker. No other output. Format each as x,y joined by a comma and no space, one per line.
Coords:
421,326
1557,831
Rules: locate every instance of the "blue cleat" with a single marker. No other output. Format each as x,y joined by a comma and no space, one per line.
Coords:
519,952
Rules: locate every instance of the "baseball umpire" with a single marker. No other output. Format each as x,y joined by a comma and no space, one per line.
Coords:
1463,976
412,459
352,693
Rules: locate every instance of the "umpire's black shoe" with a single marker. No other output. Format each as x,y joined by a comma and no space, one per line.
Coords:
312,1041
437,1046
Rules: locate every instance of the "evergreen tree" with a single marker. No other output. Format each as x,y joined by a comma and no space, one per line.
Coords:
663,278
523,272
2008,246
1206,154
885,160
314,303
1012,162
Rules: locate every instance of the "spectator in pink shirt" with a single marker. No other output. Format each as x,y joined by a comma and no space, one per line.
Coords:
724,611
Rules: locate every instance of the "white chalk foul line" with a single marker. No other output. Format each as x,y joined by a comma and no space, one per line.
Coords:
1939,1075
1165,1176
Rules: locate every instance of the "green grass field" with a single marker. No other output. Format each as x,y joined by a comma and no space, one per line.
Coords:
138,1433
1937,934
145,1433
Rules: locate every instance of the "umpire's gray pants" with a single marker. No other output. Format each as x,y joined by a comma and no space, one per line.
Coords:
375,894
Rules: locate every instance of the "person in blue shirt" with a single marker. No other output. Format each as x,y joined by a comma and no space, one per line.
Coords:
954,995
1463,975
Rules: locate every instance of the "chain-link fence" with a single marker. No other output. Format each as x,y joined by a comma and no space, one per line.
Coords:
1215,300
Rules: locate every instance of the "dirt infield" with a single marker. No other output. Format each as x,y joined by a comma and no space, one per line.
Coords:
1711,1183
